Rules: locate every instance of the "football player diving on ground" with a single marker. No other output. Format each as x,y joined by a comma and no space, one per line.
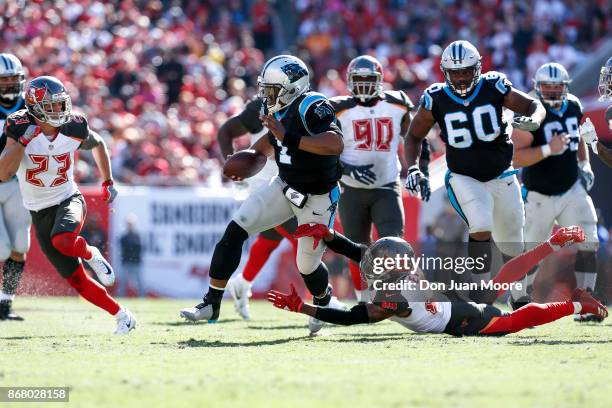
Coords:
306,144
426,312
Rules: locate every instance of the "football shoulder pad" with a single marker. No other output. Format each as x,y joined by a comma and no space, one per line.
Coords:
499,80
427,99
399,98
573,99
76,127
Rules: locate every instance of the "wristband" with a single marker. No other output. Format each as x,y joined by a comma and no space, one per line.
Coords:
291,140
545,150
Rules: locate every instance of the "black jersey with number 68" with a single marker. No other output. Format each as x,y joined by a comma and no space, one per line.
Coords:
557,173
473,128
308,115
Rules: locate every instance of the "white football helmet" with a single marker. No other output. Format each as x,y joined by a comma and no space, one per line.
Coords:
459,56
552,73
605,81
282,80
12,78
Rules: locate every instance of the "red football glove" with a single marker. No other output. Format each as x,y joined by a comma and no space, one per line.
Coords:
109,192
316,231
292,302
589,303
567,235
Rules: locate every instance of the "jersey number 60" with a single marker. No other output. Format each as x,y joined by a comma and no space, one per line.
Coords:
461,137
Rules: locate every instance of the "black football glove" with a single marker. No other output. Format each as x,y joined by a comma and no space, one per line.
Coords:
362,174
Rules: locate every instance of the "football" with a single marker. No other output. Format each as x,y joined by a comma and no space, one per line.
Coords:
244,164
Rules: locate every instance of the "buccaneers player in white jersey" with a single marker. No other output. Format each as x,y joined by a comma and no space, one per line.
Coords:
41,142
373,123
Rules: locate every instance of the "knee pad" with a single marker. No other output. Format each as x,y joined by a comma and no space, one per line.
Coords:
317,280
233,234
586,261
65,243
228,251
480,249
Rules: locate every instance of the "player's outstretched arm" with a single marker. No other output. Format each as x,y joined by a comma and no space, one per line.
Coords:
532,110
10,159
359,314
230,130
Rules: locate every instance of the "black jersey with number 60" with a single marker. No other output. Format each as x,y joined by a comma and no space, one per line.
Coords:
473,128
308,115
557,173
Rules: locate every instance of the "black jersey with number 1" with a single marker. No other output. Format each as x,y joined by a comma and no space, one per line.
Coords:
309,115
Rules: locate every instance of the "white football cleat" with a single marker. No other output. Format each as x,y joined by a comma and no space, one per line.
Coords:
240,289
103,269
125,322
314,324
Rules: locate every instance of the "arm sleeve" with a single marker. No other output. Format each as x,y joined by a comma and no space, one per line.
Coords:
357,315
321,118
249,117
92,140
344,246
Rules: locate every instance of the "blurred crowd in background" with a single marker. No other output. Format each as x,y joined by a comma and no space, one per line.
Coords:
158,78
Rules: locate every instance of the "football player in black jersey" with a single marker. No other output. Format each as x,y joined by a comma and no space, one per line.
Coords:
15,220
306,143
482,185
373,123
587,130
557,174
267,241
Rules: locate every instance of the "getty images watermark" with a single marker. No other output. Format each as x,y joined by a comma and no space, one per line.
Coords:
414,281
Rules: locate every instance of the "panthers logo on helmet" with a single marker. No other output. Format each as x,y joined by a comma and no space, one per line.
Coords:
294,71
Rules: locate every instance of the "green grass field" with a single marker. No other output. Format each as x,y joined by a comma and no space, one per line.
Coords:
271,361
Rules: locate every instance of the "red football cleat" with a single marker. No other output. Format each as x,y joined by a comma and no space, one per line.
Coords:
589,303
567,235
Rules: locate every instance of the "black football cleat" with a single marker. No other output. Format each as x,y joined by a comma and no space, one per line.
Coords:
520,302
6,312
